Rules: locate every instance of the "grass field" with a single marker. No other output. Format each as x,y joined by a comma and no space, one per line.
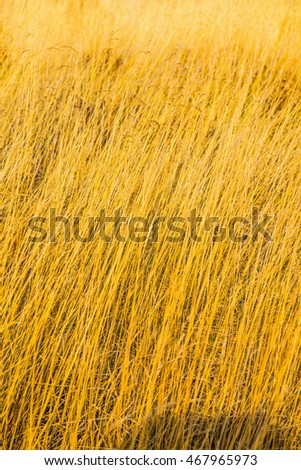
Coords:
157,108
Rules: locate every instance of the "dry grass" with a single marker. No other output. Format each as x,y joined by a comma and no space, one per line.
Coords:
157,107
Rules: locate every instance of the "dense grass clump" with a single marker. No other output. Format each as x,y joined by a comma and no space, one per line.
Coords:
157,108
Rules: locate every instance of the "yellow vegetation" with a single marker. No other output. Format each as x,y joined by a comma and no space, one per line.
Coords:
155,107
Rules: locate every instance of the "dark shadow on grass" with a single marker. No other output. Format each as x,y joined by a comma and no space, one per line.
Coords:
167,431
